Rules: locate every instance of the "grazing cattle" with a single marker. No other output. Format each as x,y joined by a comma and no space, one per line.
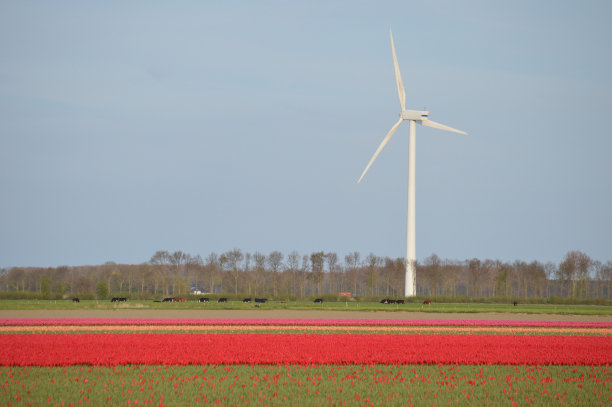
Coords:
179,300
390,301
169,299
261,300
118,299
204,299
246,300
515,303
318,300
427,302
75,299
223,299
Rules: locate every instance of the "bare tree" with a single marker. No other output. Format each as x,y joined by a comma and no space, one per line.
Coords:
316,261
303,274
603,275
161,261
432,265
293,264
584,264
352,261
212,268
232,260
275,262
332,266
195,270
146,276
551,270
17,278
574,268
178,261
474,276
260,272
249,277
373,263
606,274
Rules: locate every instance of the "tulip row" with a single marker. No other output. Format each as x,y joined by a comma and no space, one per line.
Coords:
298,322
304,349
332,329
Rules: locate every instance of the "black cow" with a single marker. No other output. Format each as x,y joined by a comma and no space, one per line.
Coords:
169,299
400,301
515,303
204,299
118,299
261,300
223,299
75,299
246,300
385,301
317,300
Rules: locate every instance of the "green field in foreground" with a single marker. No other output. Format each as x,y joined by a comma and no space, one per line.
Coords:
309,306
239,385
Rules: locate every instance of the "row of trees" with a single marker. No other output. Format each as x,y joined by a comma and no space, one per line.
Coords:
299,276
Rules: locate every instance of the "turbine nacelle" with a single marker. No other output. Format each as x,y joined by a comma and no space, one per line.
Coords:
414,115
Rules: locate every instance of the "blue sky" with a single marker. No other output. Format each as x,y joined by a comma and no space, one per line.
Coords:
131,127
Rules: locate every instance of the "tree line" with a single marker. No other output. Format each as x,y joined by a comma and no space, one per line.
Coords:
298,276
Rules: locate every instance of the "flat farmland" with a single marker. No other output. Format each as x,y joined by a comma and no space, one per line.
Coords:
314,357
347,308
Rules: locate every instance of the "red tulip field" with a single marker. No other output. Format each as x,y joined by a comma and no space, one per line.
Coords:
233,362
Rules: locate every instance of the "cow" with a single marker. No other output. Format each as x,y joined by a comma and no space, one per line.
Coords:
515,303
169,299
179,300
75,299
223,299
118,299
318,300
427,302
246,300
261,300
204,299
400,301
385,301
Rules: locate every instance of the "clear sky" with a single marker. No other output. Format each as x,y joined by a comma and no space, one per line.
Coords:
131,127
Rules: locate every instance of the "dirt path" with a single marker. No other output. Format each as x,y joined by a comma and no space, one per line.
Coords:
286,314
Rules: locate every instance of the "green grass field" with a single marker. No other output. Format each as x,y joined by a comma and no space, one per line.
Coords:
309,306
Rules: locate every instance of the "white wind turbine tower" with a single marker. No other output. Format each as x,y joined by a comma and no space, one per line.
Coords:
413,116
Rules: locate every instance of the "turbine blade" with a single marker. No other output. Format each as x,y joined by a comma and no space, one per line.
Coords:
380,147
398,76
440,126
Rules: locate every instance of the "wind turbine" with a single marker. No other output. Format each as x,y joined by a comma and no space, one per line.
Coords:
413,116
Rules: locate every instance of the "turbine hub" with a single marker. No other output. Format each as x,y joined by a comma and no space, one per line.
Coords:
414,115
